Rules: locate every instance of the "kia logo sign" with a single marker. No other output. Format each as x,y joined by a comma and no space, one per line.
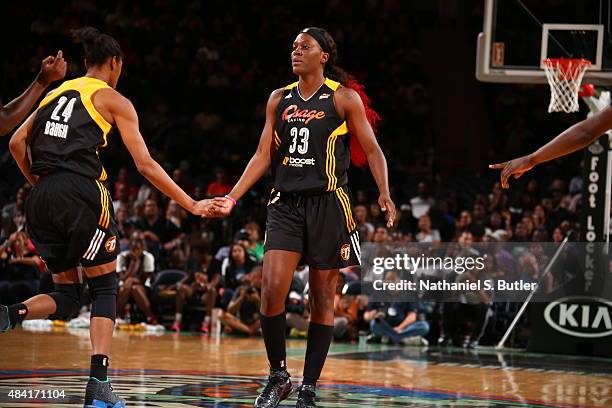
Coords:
580,316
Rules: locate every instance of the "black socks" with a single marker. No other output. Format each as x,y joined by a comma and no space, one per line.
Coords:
99,367
17,313
273,329
319,339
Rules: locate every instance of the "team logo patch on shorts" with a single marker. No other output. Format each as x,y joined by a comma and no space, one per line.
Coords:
345,252
110,244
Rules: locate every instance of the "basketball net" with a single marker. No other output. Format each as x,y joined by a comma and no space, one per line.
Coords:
564,77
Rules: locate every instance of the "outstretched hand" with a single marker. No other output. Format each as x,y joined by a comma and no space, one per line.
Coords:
207,208
215,207
386,205
516,168
52,69
222,207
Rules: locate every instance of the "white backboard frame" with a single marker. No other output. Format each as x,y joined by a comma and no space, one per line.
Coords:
486,73
547,28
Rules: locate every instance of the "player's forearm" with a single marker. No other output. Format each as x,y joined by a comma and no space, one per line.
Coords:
378,167
256,168
20,154
153,172
16,110
575,138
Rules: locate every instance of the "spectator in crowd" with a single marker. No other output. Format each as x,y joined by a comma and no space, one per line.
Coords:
221,186
201,284
396,320
348,308
12,213
463,223
122,196
365,228
161,236
423,201
376,215
178,175
177,216
125,227
242,315
135,268
381,235
297,311
426,234
497,228
233,269
19,277
123,180
255,246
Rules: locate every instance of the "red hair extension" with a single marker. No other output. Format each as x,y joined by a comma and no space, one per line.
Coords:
358,156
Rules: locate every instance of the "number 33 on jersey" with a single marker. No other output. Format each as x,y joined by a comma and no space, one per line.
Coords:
311,143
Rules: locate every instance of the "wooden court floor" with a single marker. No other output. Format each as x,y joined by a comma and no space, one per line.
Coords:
181,370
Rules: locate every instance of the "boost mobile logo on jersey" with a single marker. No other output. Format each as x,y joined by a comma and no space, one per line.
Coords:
110,244
292,114
298,162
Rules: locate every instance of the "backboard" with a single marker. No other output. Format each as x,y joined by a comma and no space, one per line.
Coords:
519,34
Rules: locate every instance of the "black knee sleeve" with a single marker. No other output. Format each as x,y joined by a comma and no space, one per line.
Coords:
103,292
66,297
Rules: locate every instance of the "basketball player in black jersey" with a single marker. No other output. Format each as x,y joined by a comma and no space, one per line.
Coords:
51,69
577,137
69,212
306,140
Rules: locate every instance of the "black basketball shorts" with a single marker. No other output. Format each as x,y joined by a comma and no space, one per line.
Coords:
71,222
320,227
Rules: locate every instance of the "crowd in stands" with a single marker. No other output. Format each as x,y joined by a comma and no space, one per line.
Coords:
200,94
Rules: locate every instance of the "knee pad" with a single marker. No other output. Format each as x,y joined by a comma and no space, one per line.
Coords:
67,301
103,292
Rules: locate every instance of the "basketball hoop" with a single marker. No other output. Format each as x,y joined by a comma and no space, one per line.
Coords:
564,77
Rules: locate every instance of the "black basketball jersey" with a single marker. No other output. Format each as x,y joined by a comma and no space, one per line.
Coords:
68,131
311,146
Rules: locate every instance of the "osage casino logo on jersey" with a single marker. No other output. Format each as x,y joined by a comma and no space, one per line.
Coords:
293,114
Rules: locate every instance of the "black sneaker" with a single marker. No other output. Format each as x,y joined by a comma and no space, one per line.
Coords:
99,394
277,389
306,397
5,321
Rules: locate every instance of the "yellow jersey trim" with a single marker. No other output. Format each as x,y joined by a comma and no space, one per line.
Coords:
346,206
291,86
333,85
104,220
330,161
